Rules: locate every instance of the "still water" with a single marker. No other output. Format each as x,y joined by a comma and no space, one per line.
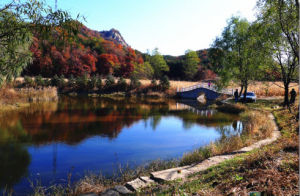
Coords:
47,141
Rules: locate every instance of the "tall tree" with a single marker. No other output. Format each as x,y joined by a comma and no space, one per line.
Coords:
18,21
280,21
158,63
239,57
191,64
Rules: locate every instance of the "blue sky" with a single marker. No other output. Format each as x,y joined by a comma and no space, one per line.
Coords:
171,25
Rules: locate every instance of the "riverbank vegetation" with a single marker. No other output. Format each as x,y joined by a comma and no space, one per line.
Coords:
270,170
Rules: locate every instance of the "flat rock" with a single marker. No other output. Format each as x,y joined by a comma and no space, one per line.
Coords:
138,183
170,174
110,192
147,180
89,194
122,190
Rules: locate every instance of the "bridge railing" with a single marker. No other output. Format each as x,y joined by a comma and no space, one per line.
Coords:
205,85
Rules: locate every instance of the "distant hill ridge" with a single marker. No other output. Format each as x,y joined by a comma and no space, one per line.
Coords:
115,36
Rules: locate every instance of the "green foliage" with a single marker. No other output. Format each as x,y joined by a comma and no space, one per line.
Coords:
110,81
164,82
55,80
28,81
93,82
191,64
82,82
122,84
143,70
18,20
39,81
134,82
278,22
153,82
72,81
238,54
158,63
99,82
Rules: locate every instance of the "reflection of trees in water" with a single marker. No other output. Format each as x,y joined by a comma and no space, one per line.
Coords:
235,129
14,161
72,120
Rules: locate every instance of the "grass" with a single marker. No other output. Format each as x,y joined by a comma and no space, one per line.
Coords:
271,170
231,108
256,126
14,98
267,89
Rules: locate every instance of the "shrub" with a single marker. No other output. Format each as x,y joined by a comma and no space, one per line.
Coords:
99,83
72,81
164,82
61,82
153,82
134,82
122,84
110,81
82,81
39,81
93,82
55,80
28,81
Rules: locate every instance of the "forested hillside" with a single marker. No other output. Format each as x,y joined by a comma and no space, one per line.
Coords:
88,53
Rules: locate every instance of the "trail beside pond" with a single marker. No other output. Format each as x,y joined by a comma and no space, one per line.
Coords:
185,171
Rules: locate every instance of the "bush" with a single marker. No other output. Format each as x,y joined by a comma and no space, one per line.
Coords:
39,81
55,80
110,81
122,84
99,83
164,82
28,81
93,82
47,82
72,81
82,81
134,82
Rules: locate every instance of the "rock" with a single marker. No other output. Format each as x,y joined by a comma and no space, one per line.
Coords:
122,190
136,184
147,180
201,99
110,192
88,194
170,174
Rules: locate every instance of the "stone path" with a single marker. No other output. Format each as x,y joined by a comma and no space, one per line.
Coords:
183,172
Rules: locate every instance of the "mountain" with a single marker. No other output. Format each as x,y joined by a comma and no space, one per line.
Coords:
114,36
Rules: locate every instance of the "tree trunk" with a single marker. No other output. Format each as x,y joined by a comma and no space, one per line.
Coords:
242,87
245,93
286,94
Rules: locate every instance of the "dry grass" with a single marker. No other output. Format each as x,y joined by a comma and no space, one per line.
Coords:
267,89
232,108
11,98
256,126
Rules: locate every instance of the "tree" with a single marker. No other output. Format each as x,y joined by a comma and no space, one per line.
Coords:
143,70
18,21
279,19
239,53
158,63
191,64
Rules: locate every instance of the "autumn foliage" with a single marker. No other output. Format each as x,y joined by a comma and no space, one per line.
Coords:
89,53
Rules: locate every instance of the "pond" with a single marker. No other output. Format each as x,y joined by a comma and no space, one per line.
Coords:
47,141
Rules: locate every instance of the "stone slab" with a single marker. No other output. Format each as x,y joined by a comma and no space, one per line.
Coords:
110,192
182,172
136,184
122,190
147,180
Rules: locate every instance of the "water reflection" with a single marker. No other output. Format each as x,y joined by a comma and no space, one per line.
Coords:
39,139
